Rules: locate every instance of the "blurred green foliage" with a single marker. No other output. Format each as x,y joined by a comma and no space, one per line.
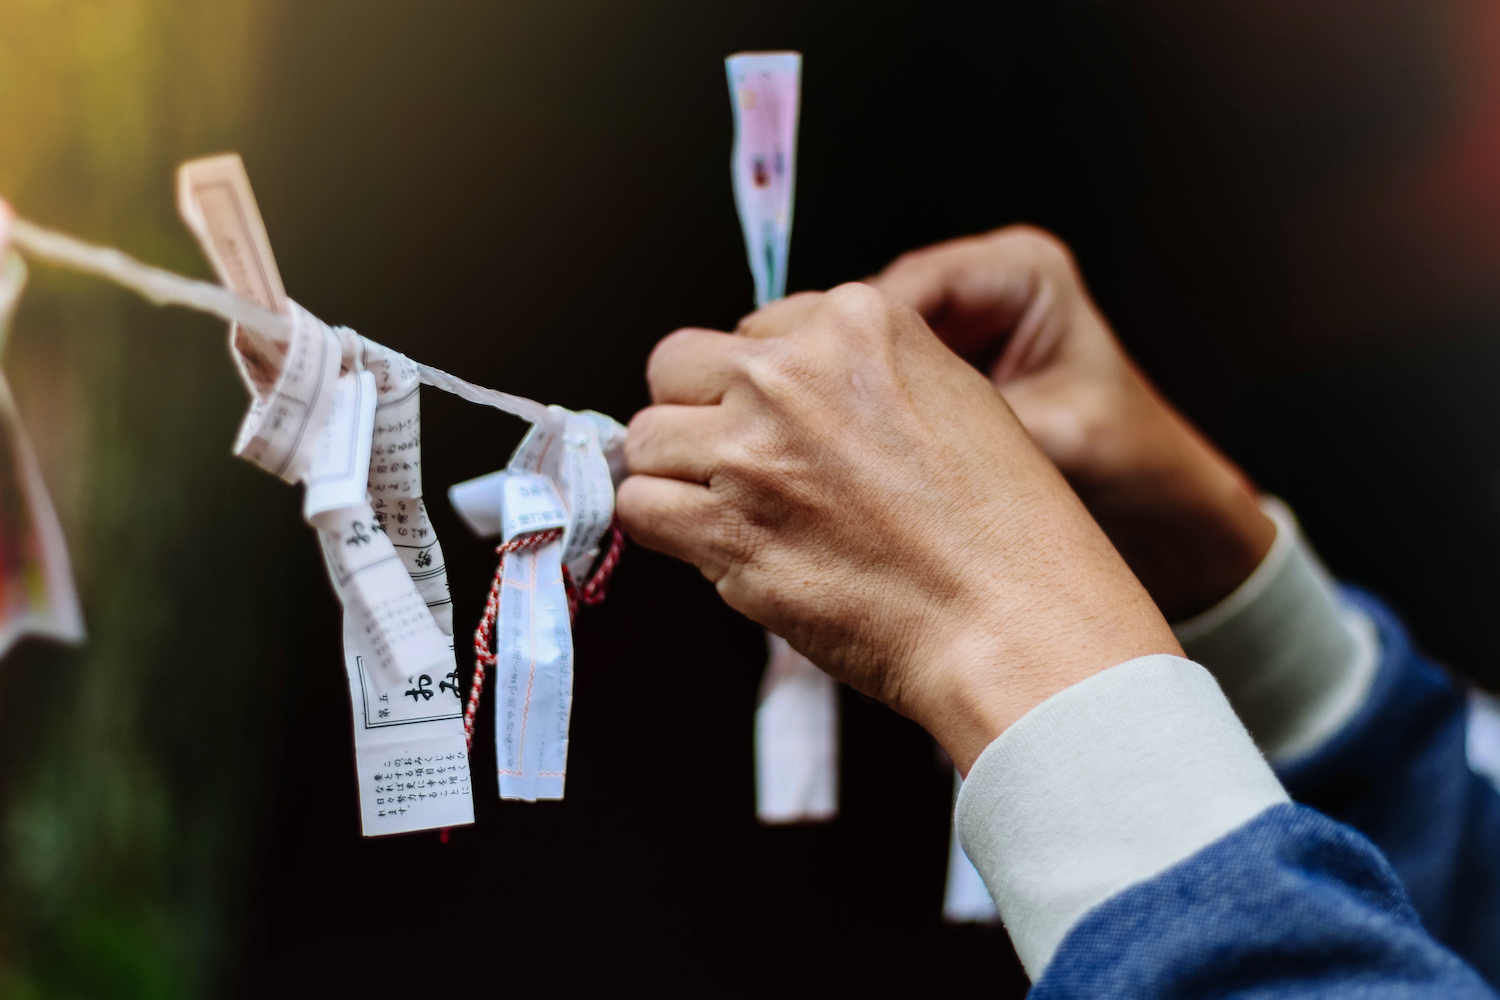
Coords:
135,765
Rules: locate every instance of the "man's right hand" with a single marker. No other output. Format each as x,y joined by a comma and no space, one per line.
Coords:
1185,519
849,483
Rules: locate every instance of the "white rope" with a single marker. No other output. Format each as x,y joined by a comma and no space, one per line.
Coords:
167,288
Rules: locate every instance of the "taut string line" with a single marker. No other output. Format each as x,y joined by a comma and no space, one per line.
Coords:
167,288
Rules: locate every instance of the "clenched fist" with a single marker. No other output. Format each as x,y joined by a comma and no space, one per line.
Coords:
850,483
1184,518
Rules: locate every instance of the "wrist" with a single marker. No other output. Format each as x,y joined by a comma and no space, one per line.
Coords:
1191,528
1016,648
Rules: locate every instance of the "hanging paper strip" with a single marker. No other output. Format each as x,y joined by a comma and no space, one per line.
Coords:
562,475
796,740
317,424
37,596
340,414
796,720
765,93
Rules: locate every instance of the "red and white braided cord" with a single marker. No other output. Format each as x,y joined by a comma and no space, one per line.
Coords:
591,593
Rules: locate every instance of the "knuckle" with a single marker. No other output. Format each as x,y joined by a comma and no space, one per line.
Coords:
661,355
856,300
860,312
630,504
1049,252
638,436
780,367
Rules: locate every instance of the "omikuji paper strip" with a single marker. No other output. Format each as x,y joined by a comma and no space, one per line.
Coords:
796,720
764,91
559,477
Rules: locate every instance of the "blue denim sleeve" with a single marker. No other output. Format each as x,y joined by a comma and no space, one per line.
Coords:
1291,905
1398,773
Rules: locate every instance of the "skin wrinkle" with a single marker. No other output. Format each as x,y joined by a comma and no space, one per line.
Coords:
881,531
881,505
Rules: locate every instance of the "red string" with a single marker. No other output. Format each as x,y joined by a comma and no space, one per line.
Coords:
591,593
596,587
482,656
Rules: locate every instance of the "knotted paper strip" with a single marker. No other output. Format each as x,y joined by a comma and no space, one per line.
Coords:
37,596
318,424
796,721
340,413
560,476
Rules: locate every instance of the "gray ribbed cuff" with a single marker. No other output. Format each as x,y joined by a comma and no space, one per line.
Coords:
1102,786
1295,662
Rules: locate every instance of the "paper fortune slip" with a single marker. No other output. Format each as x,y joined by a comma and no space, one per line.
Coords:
37,596
796,720
562,475
764,91
339,413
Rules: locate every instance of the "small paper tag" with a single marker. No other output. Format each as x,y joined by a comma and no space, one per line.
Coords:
765,91
478,502
340,463
529,503
215,200
533,676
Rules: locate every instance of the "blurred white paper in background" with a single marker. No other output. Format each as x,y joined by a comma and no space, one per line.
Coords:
796,720
37,596
765,93
796,740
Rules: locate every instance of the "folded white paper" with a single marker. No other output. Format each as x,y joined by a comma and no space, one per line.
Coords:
315,425
560,476
765,93
340,414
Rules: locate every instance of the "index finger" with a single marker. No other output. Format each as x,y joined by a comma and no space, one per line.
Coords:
924,279
779,318
694,367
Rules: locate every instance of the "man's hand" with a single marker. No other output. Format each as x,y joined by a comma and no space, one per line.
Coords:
848,482
1184,518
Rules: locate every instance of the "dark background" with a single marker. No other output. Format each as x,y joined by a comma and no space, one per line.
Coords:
1287,209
